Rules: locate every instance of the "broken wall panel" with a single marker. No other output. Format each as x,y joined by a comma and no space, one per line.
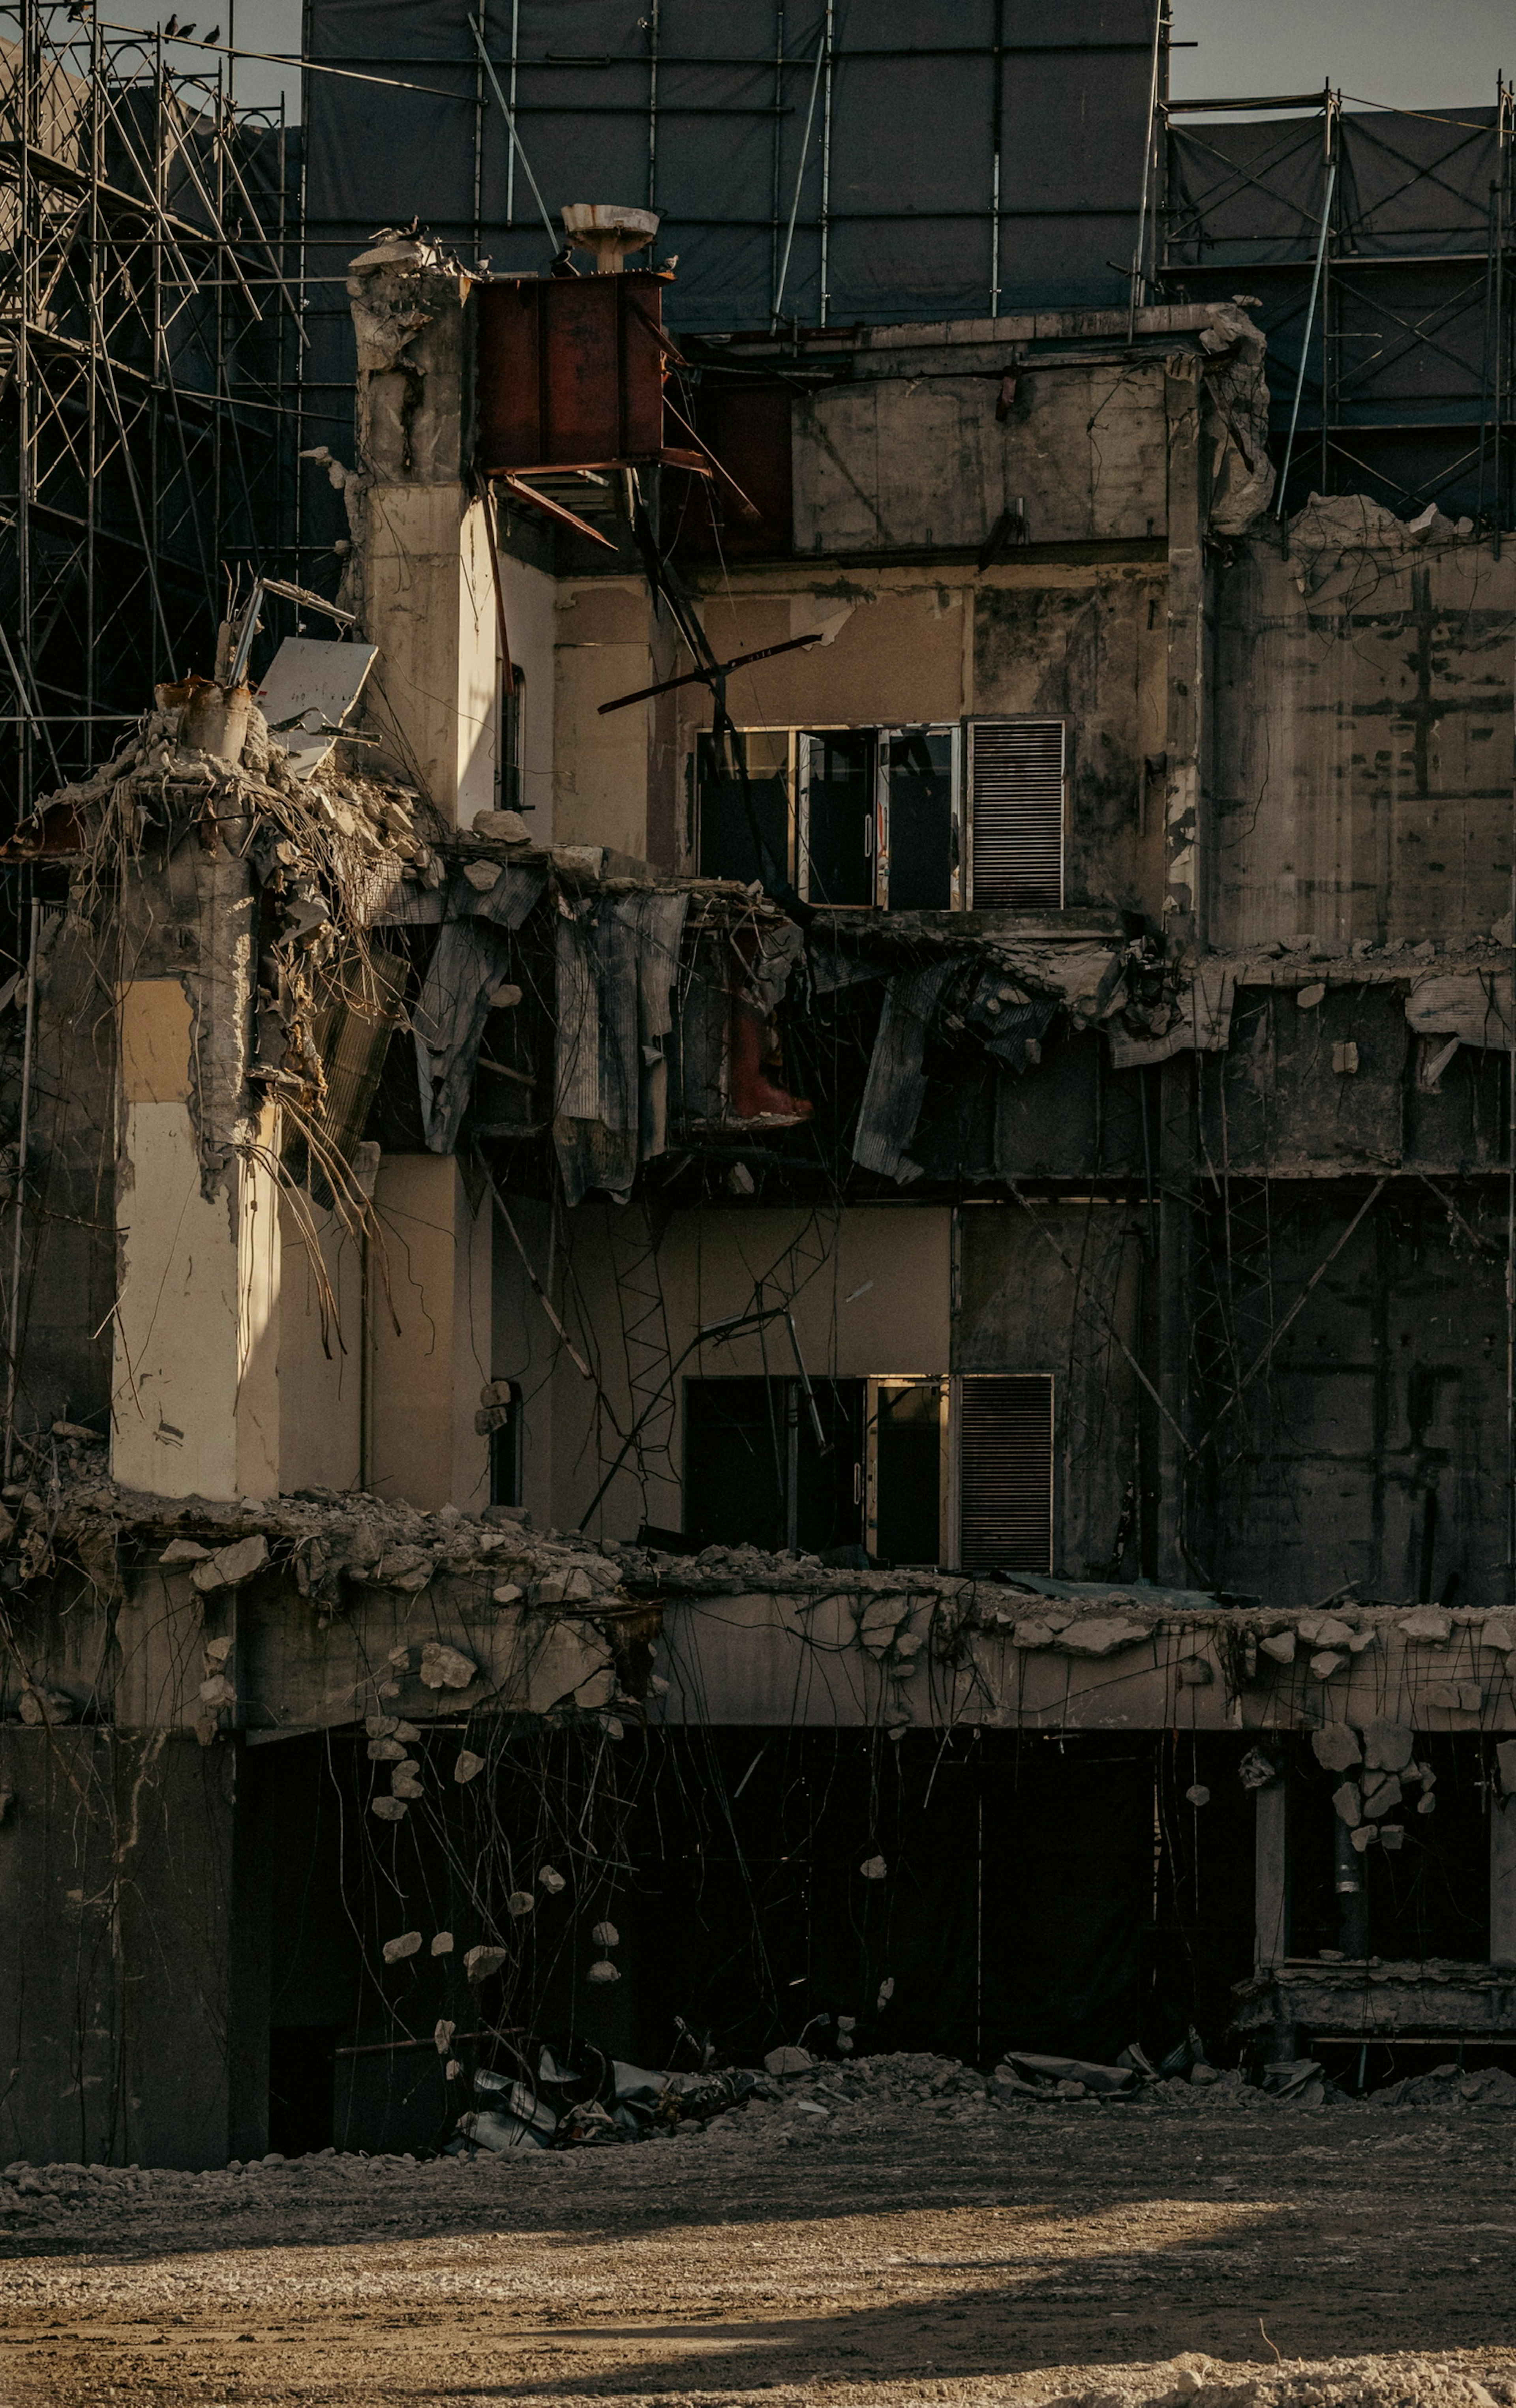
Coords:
1088,650
1056,1289
1361,753
1369,1444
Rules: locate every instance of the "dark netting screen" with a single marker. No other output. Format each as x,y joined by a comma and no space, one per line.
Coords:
947,158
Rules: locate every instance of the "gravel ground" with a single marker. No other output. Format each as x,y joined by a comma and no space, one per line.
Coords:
888,2251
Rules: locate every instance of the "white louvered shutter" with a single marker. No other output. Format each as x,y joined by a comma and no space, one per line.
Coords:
1016,814
1005,1473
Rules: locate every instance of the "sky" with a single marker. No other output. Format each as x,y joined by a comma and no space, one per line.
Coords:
1399,53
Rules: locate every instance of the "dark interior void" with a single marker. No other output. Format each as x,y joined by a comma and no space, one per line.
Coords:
1370,1449
917,768
1040,1892
1429,1898
909,1480
757,1474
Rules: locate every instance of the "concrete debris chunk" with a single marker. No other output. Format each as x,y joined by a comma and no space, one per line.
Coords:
218,1691
40,1708
184,1551
1383,1794
442,1943
1388,1746
873,1869
406,1945
1429,1623
1032,1634
218,1650
506,1594
1330,1660
231,1565
1094,1637
389,1809
1105,2079
1456,1697
520,1901
782,2061
1496,1634
1336,1746
1324,1630
1257,1770
466,1765
479,1963
386,1751
605,1935
445,1668
1280,1646
442,2035
603,1972
1197,1794
551,1881
1347,1800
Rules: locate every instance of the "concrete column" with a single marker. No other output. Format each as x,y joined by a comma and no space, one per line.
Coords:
425,1378
1271,1875
1182,863
1503,1878
194,1402
430,607
116,1979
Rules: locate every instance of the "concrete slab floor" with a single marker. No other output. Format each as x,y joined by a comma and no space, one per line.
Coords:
1009,2259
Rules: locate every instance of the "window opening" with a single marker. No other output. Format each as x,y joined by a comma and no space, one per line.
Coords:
753,1475
1017,777
506,1449
1005,1473
838,824
917,848
508,768
731,842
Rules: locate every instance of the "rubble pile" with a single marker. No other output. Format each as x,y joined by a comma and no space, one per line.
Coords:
1195,2381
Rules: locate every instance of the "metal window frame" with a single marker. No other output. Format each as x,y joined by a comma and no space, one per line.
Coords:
965,846
954,730
798,778
947,1507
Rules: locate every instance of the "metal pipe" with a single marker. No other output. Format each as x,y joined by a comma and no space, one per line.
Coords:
1304,340
510,116
799,179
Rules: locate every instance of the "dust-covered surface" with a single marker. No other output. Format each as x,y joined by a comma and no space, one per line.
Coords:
890,2250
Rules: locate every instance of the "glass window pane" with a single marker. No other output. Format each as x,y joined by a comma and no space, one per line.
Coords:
908,1477
918,774
839,812
744,838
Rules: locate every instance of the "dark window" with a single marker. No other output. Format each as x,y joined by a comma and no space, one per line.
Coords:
1005,1473
918,793
753,1473
506,1448
839,772
1016,814
507,778
302,2066
908,1477
745,835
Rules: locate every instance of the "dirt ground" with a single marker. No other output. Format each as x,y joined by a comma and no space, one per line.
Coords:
994,2258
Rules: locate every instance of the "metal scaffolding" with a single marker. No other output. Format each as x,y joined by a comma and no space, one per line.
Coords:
150,332
1377,245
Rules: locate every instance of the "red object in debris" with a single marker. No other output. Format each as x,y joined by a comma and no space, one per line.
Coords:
754,1052
570,370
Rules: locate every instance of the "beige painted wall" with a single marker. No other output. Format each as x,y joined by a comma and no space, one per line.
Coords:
425,1381
603,649
195,1401
530,600
870,1288
320,1355
429,605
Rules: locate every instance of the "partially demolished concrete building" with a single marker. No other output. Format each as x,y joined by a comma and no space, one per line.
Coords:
763,1249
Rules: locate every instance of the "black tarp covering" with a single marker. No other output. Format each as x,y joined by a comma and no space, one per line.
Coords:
711,131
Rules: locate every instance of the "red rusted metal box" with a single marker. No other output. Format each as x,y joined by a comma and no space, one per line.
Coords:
569,371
